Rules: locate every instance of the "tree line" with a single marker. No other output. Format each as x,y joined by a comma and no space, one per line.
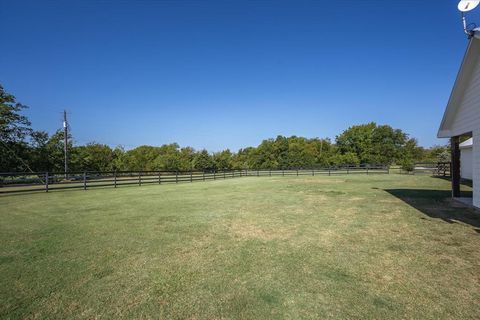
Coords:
24,149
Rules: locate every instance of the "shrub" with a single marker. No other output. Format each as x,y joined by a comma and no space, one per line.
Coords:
407,165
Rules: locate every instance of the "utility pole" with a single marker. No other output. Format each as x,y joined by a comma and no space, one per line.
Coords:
65,141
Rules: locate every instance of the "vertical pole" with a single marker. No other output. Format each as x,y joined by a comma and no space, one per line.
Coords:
455,166
176,176
46,181
297,172
65,141
191,178
328,170
84,180
159,177
313,172
115,179
139,178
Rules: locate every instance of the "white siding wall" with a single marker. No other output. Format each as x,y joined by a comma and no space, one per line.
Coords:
468,115
476,167
467,119
466,164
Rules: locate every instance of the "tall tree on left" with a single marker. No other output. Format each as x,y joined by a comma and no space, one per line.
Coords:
14,132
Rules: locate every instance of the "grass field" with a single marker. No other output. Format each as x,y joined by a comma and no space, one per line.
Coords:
379,246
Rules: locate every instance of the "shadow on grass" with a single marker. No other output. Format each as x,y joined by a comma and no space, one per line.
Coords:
438,204
464,182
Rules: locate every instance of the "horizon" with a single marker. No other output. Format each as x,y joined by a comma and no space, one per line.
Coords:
215,76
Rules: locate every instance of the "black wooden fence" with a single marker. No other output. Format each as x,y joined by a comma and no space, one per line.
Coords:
12,182
433,168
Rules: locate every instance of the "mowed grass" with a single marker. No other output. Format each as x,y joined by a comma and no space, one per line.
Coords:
356,246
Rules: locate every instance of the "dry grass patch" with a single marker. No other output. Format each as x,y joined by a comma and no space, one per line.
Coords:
242,230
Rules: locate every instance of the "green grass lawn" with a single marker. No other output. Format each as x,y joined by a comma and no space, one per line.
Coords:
357,246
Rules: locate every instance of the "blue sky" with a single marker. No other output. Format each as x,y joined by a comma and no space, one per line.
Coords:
228,74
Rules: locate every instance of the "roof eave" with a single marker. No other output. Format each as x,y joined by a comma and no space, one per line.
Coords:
457,91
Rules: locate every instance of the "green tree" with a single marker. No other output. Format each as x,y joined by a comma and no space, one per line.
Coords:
168,157
142,158
55,151
388,145
223,160
93,157
345,159
14,131
185,159
39,157
374,144
203,161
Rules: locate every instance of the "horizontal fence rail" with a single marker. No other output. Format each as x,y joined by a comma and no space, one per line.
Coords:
431,168
15,182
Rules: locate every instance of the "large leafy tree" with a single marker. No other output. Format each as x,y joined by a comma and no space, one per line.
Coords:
14,131
49,153
375,144
203,161
142,158
93,157
388,144
223,160
357,140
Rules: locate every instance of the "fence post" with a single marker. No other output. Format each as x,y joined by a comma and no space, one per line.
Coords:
313,172
328,170
159,177
297,172
176,176
115,178
139,178
84,180
191,178
46,181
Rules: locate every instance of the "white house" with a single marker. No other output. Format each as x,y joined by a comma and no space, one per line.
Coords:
466,156
462,116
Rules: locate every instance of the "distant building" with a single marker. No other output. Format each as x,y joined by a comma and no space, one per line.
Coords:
462,117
